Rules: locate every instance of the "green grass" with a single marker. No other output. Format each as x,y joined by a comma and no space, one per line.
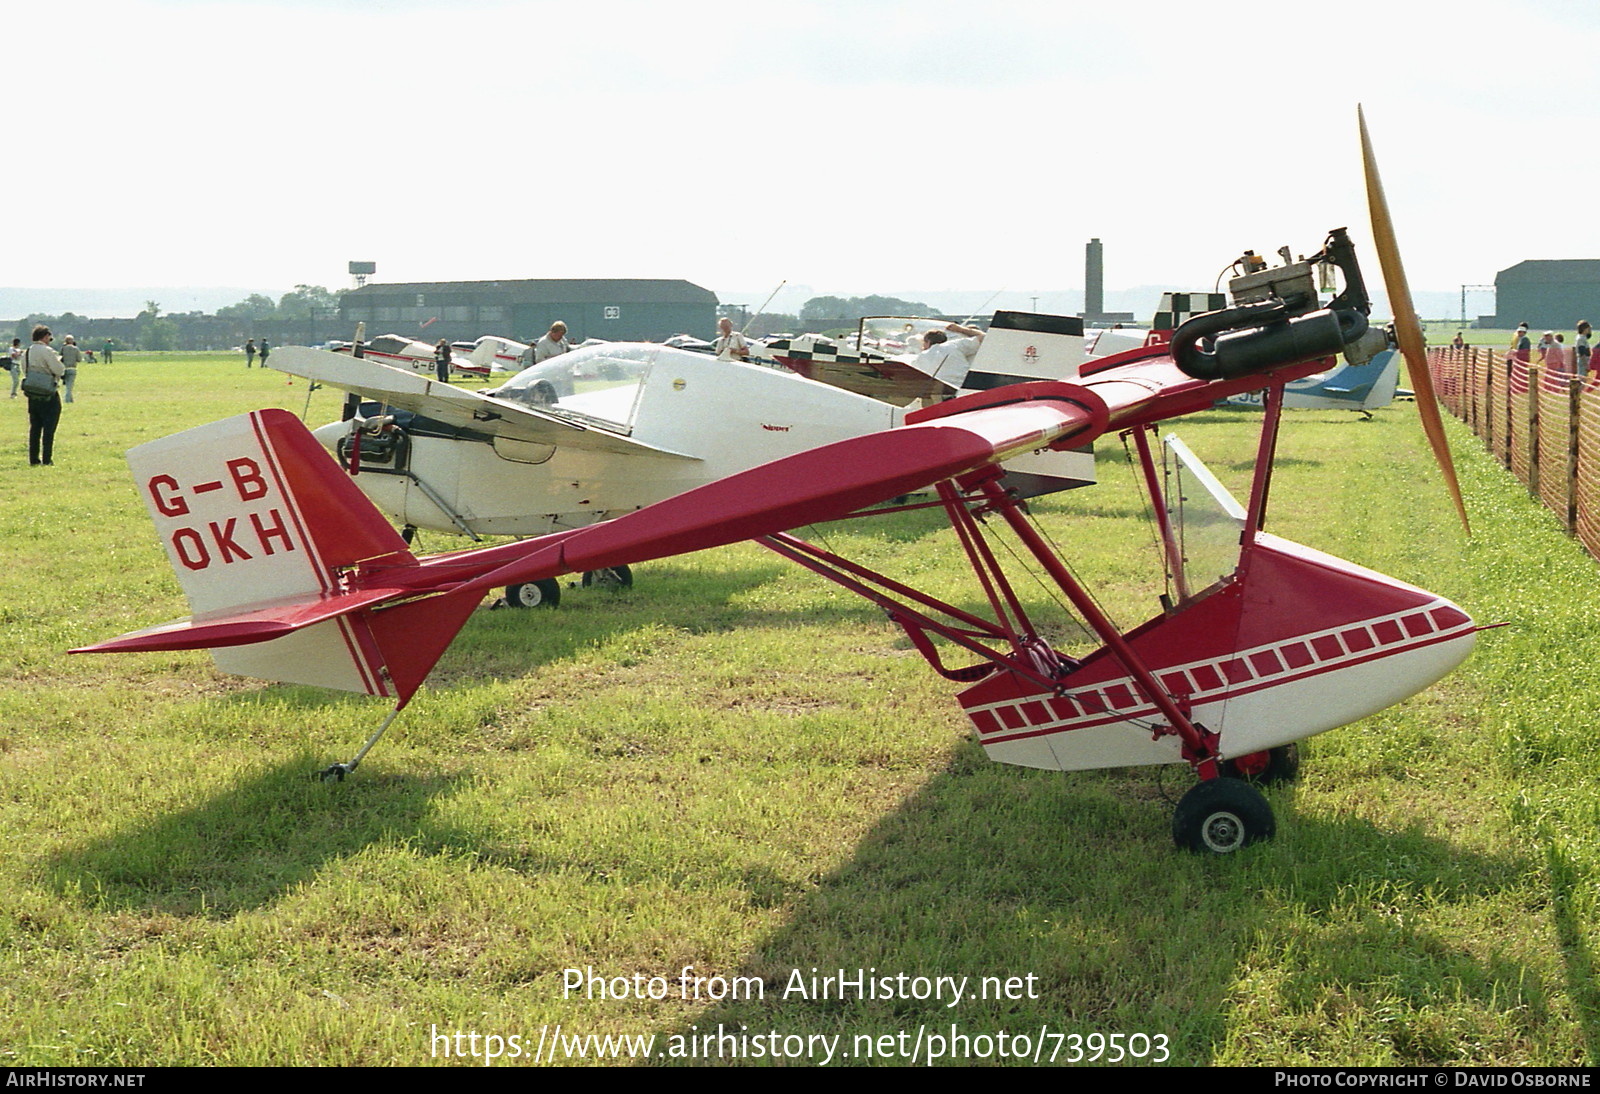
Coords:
738,767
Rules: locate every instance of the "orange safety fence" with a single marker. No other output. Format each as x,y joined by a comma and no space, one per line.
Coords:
1446,366
1524,448
1588,485
1544,426
1497,429
1558,443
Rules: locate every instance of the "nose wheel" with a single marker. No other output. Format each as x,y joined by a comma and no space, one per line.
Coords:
1222,816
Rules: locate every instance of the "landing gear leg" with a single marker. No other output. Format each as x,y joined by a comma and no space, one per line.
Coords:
335,773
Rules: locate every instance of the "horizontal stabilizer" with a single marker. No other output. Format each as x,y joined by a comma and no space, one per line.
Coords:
241,628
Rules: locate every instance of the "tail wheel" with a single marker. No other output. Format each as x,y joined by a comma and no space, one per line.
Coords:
534,594
612,577
1269,768
1222,816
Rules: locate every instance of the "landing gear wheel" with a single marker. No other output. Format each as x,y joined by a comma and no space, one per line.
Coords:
1269,768
1222,816
534,594
612,577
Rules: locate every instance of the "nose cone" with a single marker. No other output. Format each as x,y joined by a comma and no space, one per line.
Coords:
328,436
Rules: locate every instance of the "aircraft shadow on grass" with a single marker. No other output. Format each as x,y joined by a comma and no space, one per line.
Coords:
992,871
985,871
244,848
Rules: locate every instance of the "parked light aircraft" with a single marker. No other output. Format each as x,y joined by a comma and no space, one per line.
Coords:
408,353
492,353
583,437
1362,388
606,429
293,575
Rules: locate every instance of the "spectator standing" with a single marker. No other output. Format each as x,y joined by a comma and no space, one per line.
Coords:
730,344
1580,349
947,359
1555,355
441,361
105,352
553,344
71,357
44,409
265,349
16,365
1521,348
249,352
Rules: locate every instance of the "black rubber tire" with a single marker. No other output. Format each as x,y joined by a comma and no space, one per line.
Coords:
1283,766
612,577
534,594
1222,816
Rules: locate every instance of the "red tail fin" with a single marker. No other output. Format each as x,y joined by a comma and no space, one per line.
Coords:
262,530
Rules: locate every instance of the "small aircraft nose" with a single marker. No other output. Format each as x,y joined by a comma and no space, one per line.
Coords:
328,436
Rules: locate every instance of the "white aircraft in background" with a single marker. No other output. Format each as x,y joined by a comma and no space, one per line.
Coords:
581,438
491,351
410,353
1362,388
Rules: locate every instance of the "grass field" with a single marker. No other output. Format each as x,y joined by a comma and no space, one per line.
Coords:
736,767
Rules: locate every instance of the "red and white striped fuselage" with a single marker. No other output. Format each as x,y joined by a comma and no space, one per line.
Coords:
1294,643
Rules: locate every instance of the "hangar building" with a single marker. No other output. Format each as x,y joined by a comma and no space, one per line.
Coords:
621,309
1551,294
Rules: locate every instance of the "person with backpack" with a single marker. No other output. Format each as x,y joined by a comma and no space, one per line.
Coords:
42,371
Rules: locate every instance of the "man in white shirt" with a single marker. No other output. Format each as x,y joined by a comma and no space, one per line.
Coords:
553,344
947,359
731,345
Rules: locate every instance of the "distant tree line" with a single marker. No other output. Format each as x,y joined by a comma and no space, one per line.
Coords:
825,313
306,314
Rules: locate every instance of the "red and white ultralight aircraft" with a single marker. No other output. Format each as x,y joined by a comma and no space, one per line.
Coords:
293,575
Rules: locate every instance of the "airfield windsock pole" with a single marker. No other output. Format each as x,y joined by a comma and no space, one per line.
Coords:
763,307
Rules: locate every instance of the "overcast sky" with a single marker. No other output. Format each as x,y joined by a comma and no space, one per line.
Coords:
854,146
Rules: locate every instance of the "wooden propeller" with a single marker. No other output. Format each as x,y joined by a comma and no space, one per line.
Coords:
1408,332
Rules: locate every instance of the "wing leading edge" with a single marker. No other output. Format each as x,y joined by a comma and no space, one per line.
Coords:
420,394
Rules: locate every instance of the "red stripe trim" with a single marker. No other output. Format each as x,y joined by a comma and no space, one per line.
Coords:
324,575
368,684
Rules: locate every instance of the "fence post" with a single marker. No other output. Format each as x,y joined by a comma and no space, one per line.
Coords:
1487,416
1511,423
1574,390
1534,380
